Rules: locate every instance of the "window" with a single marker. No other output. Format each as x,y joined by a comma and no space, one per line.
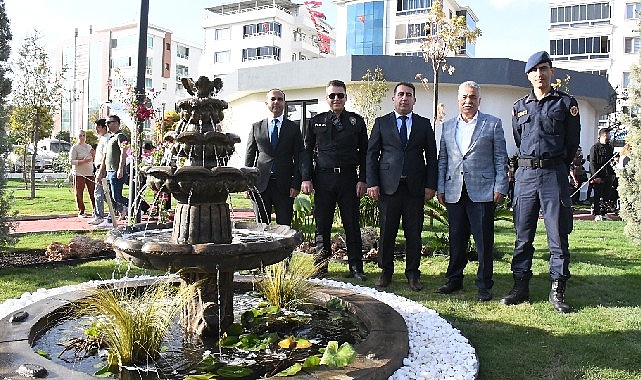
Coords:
121,62
632,10
222,56
586,46
182,51
181,71
404,7
221,34
632,45
167,46
261,28
150,41
626,79
580,14
148,83
149,65
263,52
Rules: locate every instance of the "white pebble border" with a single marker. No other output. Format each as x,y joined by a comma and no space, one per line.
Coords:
436,349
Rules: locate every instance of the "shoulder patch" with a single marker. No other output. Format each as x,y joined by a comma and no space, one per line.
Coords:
574,110
352,120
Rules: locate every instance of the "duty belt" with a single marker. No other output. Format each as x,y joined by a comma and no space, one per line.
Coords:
338,170
539,162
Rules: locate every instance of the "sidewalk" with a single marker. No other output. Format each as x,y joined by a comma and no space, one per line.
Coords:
74,223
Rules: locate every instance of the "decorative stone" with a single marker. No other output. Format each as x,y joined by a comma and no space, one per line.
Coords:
19,316
32,370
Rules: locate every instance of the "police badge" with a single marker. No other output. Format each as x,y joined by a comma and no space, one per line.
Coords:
574,110
352,120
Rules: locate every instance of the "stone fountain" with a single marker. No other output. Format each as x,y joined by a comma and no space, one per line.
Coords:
201,246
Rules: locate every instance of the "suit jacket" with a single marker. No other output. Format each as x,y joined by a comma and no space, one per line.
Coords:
385,156
285,158
483,167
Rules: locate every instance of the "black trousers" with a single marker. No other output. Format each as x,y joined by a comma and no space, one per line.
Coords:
282,204
602,194
393,207
331,189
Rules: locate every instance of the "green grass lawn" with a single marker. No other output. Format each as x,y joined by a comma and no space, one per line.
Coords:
53,200
601,339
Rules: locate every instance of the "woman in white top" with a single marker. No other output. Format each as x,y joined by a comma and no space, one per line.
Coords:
81,159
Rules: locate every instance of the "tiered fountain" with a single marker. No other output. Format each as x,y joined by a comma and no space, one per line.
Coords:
201,245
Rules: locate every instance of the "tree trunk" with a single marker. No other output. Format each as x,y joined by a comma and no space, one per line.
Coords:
435,105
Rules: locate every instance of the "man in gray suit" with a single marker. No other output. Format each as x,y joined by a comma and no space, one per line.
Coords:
274,146
472,179
401,176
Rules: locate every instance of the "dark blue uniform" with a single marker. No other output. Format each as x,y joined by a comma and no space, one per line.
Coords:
547,134
335,151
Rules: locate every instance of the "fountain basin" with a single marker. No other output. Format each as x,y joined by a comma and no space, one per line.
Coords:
378,356
253,246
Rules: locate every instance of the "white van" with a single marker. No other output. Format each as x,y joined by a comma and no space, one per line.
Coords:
49,149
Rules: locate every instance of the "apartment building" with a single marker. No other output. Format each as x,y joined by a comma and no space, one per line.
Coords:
242,34
600,37
391,27
101,64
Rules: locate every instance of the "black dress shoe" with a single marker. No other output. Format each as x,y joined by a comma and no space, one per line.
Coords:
415,284
485,295
450,287
358,275
383,281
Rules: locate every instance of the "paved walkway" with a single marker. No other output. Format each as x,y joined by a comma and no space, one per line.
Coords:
74,223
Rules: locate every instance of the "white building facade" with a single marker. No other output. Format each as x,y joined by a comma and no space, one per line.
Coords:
246,34
102,64
599,37
390,27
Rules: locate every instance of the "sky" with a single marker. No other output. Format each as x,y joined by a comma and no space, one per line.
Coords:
510,28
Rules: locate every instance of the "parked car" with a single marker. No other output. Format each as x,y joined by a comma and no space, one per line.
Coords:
14,160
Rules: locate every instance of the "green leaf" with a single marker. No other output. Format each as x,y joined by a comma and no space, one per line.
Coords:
235,329
208,364
229,341
338,357
205,376
291,371
103,372
43,354
234,371
312,361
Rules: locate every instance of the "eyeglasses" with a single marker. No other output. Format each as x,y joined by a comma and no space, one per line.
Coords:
279,99
333,95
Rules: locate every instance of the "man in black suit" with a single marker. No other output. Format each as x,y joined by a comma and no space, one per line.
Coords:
274,146
401,175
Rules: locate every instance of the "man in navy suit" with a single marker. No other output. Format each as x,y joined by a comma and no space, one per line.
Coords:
401,176
274,146
472,179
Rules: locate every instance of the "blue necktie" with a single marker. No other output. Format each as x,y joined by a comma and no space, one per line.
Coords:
403,131
274,134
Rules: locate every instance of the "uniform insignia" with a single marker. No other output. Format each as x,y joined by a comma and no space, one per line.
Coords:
320,125
352,120
574,110
521,113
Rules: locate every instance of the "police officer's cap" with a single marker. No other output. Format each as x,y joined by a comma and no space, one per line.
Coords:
536,59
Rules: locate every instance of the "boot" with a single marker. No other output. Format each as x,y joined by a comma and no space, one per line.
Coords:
557,297
520,292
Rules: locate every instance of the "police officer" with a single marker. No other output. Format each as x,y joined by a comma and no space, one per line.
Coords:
333,165
546,128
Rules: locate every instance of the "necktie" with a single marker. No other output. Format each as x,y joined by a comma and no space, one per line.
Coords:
403,131
274,135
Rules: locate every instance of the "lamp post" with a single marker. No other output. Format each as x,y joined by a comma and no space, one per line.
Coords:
74,114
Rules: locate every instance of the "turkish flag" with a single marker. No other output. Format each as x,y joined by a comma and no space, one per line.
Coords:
361,18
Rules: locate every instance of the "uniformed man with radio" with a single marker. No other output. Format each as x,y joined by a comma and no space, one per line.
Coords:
546,127
334,167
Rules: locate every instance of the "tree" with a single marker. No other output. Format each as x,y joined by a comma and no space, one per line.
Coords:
369,94
444,35
36,95
64,135
6,223
630,177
